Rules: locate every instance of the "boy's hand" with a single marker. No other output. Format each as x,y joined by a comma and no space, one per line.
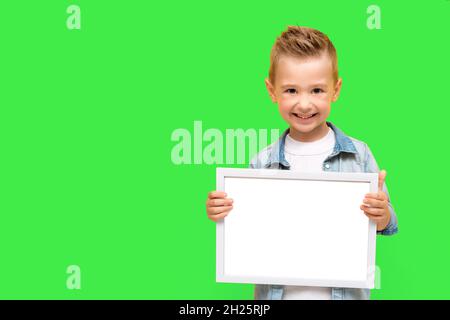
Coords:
375,205
217,206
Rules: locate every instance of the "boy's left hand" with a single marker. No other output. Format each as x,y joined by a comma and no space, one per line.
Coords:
375,205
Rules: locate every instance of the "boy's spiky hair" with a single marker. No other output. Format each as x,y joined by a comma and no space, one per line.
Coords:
301,42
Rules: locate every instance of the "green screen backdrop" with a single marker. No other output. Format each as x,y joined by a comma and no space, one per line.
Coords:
87,117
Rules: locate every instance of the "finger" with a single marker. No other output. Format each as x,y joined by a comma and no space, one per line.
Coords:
372,211
218,210
216,194
381,179
219,202
374,203
219,216
376,219
375,195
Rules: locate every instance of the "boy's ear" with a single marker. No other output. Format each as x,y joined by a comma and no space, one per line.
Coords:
271,90
337,89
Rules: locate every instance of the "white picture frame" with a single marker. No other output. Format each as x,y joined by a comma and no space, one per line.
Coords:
296,228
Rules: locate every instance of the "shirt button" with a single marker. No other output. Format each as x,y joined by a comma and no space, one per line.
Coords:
327,166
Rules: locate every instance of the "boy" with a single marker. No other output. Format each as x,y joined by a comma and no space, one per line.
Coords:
303,81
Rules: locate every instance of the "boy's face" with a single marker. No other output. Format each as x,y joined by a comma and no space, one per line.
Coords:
304,90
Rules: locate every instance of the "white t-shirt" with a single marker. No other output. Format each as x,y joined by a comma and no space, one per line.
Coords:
308,157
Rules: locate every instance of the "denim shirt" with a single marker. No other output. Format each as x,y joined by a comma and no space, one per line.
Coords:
348,155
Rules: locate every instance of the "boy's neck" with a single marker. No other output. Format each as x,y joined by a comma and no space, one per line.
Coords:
317,134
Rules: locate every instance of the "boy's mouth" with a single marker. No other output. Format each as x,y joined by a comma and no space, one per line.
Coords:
305,116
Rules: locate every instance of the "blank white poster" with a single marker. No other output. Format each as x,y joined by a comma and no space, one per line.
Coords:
296,232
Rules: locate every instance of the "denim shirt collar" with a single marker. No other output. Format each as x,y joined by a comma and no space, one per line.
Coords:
343,144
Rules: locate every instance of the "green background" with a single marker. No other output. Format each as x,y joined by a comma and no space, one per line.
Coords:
87,116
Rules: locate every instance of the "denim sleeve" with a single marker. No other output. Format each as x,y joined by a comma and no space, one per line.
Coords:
372,166
255,162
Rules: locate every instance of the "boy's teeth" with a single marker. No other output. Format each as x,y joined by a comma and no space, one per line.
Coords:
304,117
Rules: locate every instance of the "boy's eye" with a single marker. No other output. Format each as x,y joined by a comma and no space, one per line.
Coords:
291,90
317,90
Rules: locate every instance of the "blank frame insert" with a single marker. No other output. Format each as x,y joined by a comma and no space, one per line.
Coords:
295,228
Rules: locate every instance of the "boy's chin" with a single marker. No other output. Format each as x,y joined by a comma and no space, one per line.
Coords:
307,129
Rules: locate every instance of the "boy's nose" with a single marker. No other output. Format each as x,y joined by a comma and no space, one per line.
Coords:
303,104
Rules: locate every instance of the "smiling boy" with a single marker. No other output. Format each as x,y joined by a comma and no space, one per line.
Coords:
303,80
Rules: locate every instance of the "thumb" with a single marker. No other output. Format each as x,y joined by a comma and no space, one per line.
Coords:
381,179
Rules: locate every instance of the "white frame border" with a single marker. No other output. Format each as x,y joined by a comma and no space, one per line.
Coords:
372,178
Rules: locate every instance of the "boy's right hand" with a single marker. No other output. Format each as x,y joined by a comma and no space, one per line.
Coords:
217,205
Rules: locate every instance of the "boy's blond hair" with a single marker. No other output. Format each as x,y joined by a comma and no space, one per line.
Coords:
301,42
